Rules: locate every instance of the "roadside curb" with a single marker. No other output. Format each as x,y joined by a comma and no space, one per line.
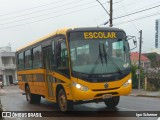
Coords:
144,96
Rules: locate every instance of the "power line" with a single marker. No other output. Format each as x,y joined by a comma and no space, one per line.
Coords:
45,14
87,8
137,19
129,17
19,11
132,3
137,12
103,7
51,17
40,11
148,5
118,1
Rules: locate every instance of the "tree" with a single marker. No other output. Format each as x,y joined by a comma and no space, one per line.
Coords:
153,79
153,73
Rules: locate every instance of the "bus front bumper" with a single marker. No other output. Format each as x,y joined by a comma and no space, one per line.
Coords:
89,95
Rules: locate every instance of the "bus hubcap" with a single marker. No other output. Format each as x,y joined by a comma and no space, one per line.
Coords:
63,102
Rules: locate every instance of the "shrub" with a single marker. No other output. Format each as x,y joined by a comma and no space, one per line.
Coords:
135,78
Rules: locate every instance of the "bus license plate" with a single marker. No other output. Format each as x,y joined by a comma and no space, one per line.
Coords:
105,96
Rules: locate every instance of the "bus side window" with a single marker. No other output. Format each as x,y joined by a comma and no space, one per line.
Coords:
62,58
28,60
53,56
117,48
21,61
37,57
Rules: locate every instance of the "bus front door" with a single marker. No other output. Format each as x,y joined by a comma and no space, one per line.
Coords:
47,55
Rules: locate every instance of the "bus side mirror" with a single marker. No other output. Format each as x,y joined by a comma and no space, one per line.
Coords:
134,41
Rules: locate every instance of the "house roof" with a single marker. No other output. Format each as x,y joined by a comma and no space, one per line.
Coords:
135,57
153,53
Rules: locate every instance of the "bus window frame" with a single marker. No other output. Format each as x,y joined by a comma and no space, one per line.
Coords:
31,67
18,61
33,57
69,39
54,62
58,39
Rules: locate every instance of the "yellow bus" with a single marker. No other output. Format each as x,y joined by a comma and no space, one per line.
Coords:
76,65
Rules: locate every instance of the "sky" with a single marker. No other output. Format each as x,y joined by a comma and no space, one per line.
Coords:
23,21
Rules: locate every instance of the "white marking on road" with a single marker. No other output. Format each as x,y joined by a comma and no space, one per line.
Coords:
127,109
158,118
13,91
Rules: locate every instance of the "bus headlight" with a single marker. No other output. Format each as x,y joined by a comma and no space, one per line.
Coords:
127,83
80,87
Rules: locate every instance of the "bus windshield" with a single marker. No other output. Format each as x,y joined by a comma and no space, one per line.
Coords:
98,56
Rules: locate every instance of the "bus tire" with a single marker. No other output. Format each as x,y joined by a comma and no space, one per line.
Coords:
32,98
63,103
37,98
112,102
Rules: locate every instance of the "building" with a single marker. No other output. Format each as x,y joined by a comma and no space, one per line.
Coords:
7,65
154,58
157,34
154,50
145,62
153,55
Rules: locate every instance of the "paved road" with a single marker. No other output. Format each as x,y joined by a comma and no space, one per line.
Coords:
13,100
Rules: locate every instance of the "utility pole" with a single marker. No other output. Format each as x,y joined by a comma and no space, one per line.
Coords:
139,65
111,13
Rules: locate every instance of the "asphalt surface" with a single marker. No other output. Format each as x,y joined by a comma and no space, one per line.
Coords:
13,100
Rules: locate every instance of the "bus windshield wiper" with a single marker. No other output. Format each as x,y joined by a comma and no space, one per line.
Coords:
105,54
100,54
109,58
99,57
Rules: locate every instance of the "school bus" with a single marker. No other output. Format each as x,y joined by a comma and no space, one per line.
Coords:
76,65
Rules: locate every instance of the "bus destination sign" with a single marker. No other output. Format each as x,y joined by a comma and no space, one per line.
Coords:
99,35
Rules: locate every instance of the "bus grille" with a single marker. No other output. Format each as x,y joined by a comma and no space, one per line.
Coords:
100,95
105,89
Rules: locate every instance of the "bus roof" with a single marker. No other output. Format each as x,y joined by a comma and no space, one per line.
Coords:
59,31
97,29
64,31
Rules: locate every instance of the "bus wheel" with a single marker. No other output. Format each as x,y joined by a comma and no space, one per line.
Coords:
112,102
28,94
32,98
63,103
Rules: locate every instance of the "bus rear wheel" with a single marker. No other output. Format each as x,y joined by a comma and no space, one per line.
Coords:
64,104
32,98
112,102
